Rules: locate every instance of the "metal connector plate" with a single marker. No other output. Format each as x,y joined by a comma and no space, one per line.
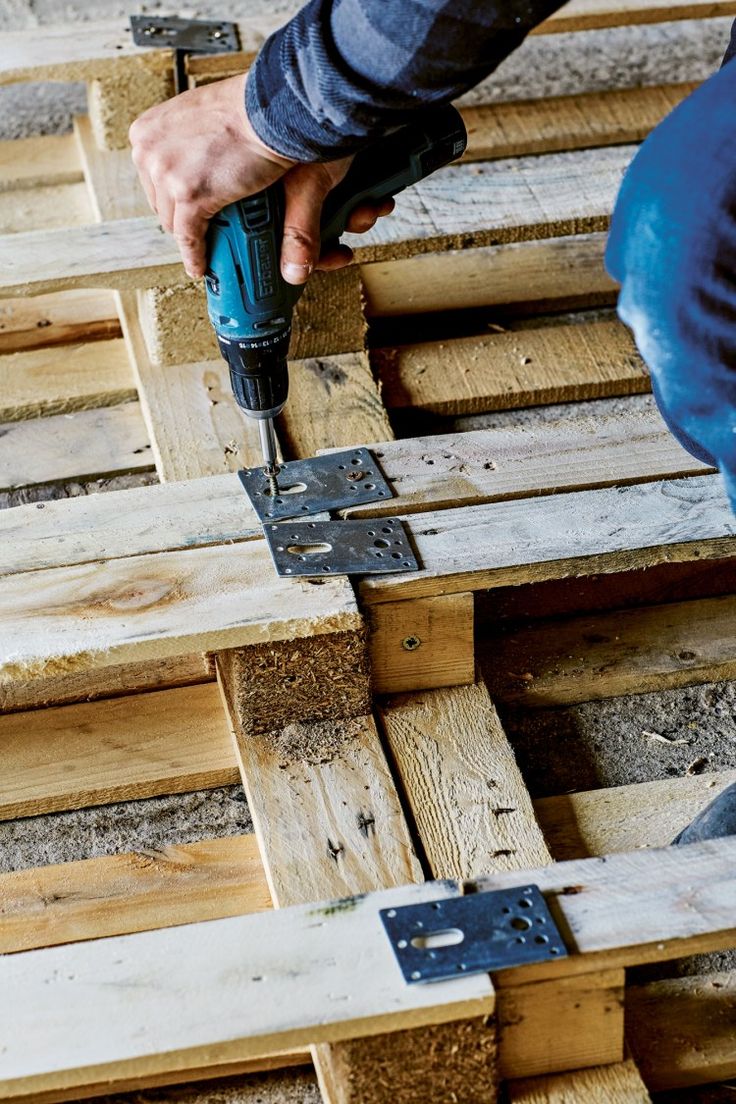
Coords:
340,547
475,934
194,36
331,482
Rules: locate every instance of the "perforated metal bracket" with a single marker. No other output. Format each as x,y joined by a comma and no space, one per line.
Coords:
331,482
184,36
475,934
340,547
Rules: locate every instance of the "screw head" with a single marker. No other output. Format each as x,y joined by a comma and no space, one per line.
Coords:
354,476
411,643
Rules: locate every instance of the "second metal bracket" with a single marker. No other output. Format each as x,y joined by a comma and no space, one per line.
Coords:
331,482
340,547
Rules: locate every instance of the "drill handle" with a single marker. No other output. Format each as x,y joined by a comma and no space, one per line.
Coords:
432,139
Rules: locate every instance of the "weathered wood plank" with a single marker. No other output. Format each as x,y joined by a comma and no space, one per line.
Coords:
493,465
263,983
607,655
552,270
88,444
61,318
593,531
32,162
45,208
502,201
613,117
422,644
81,618
625,818
140,891
120,749
61,380
526,367
584,15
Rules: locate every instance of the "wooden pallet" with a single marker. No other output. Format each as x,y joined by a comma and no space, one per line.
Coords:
131,614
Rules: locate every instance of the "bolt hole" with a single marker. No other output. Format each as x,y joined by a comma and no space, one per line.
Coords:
520,923
381,543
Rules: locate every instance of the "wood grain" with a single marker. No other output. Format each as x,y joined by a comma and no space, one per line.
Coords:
616,1084
119,749
88,444
527,367
422,644
625,818
140,891
561,535
61,380
60,318
608,655
31,162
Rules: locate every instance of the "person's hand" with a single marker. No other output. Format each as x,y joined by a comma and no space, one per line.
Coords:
197,152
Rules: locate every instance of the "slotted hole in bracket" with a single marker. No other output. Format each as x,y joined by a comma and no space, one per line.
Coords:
448,937
308,549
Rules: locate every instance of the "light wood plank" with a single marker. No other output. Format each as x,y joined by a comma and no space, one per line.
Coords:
613,117
552,270
111,178
44,208
88,444
527,367
263,983
422,644
493,465
61,380
617,1084
625,652
81,618
33,162
593,531
459,773
120,749
585,15
504,201
140,891
61,318
161,518
681,1030
624,818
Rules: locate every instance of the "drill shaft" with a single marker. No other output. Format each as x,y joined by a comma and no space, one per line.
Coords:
268,447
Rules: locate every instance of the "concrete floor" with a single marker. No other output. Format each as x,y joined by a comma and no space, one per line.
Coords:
588,745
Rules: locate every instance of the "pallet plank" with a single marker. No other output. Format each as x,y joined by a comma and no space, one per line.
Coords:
612,529
61,380
616,1084
87,444
44,208
263,983
626,652
528,367
31,162
60,318
120,749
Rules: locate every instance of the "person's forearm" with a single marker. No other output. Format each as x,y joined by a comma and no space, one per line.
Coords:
344,71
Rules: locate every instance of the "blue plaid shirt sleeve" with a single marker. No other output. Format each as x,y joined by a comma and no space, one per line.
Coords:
341,72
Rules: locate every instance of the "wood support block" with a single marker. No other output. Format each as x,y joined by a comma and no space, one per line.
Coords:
570,1023
615,1084
319,678
115,102
423,644
328,319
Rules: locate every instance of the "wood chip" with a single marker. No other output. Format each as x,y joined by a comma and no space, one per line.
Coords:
662,739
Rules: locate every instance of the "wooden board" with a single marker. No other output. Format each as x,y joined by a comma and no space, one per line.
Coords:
528,367
61,380
493,465
607,655
140,891
561,535
613,117
263,983
617,1084
163,517
81,618
88,444
625,818
60,318
514,200
31,162
44,208
584,15
422,644
552,270
120,749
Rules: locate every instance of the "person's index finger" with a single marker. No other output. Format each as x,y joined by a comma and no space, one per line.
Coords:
190,229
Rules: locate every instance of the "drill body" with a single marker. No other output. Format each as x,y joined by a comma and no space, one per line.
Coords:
250,305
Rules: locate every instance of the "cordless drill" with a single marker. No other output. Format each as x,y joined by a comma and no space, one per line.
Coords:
249,303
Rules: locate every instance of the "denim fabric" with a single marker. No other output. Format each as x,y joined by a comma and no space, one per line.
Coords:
342,72
672,246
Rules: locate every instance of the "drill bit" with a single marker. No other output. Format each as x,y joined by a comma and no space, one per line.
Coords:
268,445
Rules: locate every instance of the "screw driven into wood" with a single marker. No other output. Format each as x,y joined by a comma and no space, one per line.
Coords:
410,643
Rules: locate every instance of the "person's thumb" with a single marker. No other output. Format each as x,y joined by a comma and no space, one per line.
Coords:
305,188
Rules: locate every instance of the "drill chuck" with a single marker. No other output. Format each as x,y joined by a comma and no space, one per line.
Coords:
259,375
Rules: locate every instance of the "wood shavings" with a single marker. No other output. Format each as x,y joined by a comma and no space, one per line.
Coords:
660,739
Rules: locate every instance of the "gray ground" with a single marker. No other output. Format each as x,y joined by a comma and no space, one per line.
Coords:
584,746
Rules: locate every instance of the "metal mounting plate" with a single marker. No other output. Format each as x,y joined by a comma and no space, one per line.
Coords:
475,934
330,482
195,36
340,547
